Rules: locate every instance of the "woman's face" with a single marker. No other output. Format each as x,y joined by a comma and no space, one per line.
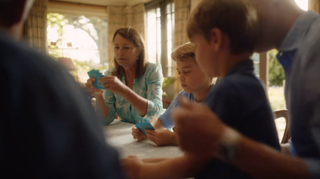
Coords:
125,52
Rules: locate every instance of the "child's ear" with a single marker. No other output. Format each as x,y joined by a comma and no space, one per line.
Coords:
216,38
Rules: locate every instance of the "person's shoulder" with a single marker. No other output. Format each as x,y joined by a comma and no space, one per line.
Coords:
239,84
20,57
184,94
175,101
152,66
310,44
153,71
314,27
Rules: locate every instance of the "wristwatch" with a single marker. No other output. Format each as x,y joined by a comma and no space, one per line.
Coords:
228,144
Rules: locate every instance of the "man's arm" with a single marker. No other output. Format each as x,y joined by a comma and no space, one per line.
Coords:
257,159
178,167
262,161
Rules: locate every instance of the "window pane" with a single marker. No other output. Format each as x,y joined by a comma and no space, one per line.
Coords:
154,35
256,61
158,30
170,31
159,36
81,38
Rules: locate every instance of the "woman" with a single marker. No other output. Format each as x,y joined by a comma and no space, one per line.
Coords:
133,88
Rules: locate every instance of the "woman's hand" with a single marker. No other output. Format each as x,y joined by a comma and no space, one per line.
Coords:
137,134
94,92
133,166
161,137
113,84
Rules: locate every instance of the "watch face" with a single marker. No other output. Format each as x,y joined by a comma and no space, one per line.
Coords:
227,152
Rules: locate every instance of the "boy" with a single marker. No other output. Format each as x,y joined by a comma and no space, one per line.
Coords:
196,86
297,38
224,34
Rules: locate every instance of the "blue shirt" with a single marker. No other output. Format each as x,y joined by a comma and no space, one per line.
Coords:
148,86
48,127
240,101
166,119
301,48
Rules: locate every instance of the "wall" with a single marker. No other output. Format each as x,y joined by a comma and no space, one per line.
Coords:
194,3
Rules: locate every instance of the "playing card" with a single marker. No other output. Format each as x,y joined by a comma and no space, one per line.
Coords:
97,75
143,126
92,72
97,84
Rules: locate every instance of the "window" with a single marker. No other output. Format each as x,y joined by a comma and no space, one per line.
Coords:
159,36
303,4
81,38
256,61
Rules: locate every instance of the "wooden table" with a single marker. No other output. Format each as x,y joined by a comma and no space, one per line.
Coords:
118,134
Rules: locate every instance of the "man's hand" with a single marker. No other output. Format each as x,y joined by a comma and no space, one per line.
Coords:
137,134
161,137
133,166
198,129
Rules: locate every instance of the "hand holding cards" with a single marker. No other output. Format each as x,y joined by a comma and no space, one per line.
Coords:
143,126
96,75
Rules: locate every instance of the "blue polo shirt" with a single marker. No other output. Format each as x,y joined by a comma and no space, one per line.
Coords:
299,54
240,101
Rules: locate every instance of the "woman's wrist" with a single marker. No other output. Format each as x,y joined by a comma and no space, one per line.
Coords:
125,92
98,95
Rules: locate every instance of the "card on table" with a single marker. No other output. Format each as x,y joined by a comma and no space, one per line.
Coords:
143,126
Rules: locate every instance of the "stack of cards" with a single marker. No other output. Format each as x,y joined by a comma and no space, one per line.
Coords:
143,126
97,75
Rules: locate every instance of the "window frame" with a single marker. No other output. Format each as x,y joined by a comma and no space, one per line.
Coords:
162,4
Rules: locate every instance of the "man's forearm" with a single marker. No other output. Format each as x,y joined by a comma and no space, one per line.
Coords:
167,168
262,161
154,160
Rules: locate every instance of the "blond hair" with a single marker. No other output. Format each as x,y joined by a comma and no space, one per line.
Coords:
236,18
184,51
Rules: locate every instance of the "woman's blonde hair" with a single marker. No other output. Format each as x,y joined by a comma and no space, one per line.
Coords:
184,51
135,37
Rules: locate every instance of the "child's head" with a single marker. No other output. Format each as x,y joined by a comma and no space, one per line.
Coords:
190,75
221,29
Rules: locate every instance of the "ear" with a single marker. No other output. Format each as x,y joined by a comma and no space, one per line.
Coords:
216,38
139,50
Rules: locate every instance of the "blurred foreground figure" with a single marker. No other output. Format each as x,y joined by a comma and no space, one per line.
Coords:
48,128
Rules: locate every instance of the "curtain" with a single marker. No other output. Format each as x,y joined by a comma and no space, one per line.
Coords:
138,19
35,32
118,17
314,5
182,11
116,20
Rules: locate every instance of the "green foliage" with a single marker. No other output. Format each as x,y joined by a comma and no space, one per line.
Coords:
276,72
276,97
168,81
